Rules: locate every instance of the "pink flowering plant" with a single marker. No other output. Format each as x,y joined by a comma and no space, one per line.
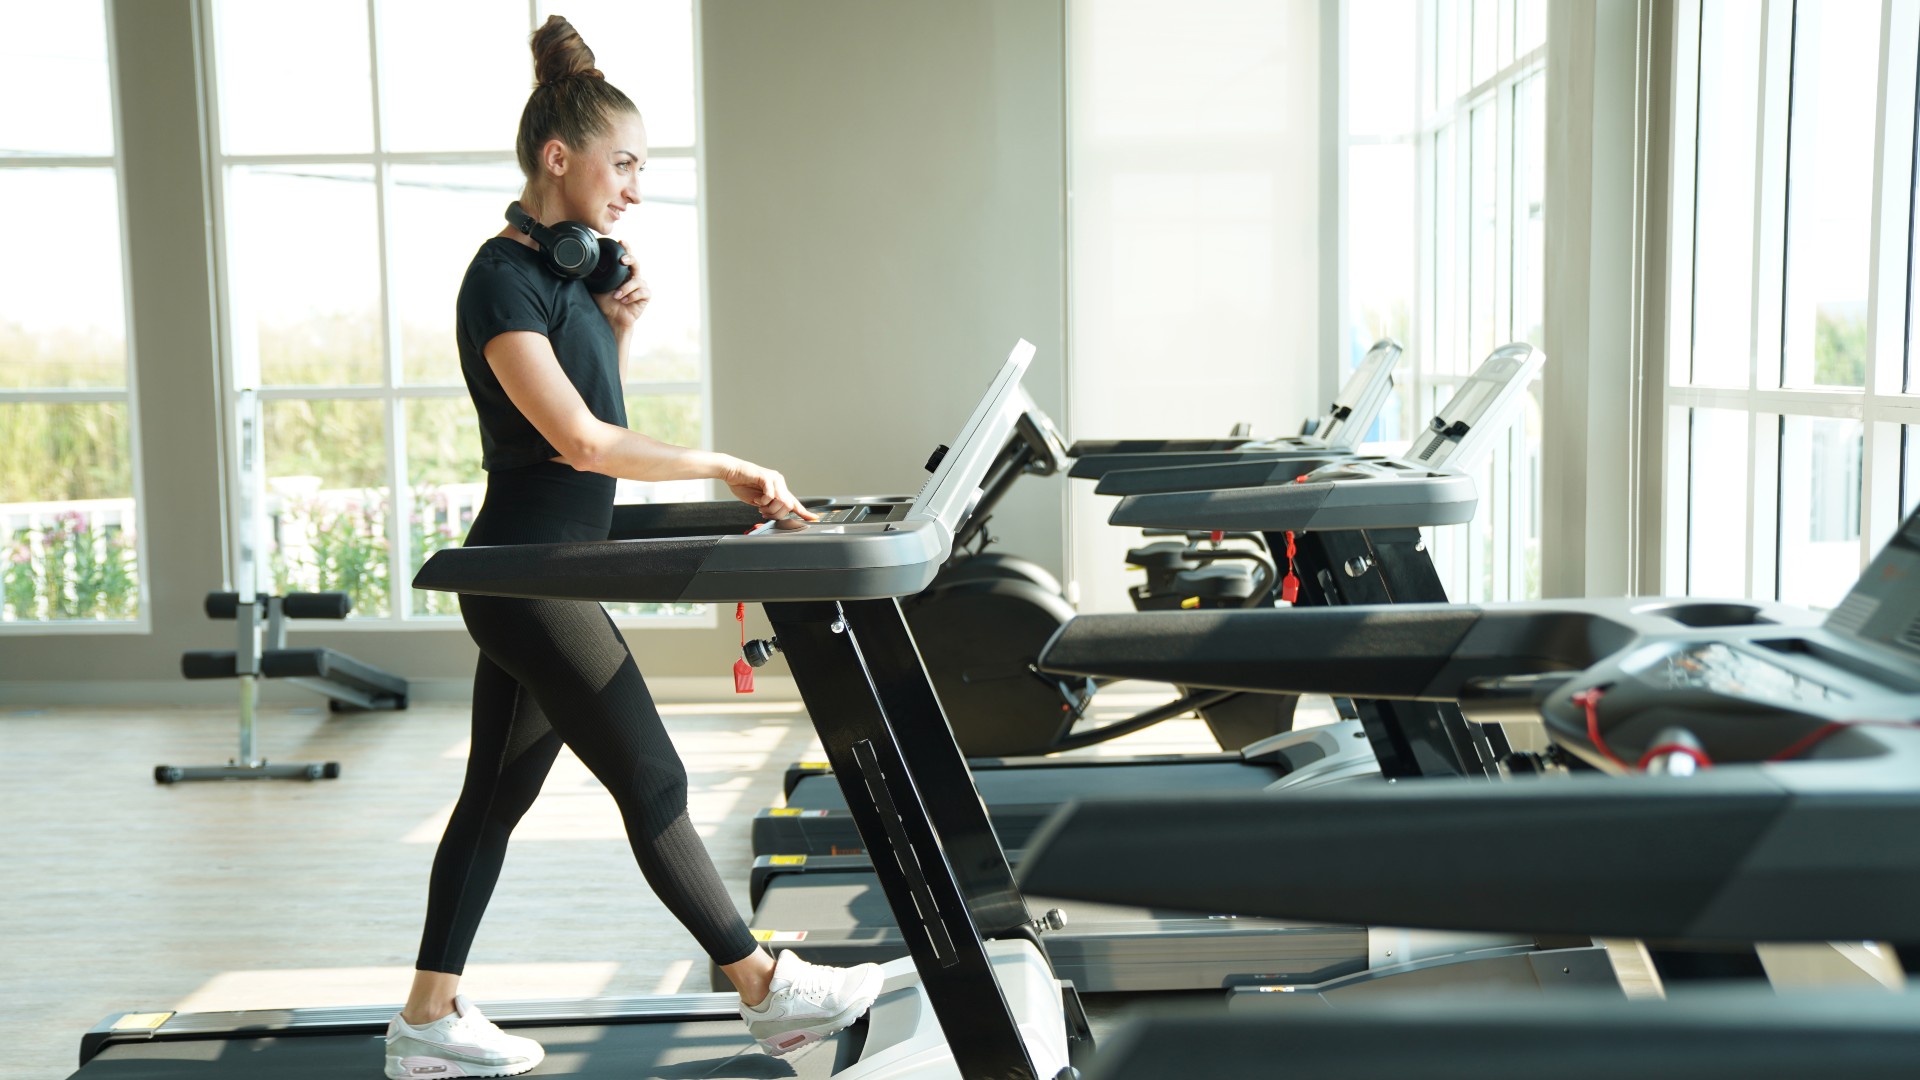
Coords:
345,550
75,568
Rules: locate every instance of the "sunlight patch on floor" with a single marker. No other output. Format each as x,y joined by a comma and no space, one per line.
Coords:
307,988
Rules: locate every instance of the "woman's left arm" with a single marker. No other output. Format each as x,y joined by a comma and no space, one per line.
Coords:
623,307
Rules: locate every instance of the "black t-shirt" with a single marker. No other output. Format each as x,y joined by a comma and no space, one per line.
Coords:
507,288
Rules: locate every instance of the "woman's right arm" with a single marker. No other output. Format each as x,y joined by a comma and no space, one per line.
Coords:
529,372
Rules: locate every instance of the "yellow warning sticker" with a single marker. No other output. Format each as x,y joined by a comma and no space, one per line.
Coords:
786,860
1190,603
141,1021
784,811
778,937
817,765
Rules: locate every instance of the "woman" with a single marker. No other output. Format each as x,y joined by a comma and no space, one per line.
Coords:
544,359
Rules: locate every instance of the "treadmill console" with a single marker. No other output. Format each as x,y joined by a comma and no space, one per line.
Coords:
1751,690
863,513
1358,403
1464,429
863,549
1724,669
1883,608
1370,468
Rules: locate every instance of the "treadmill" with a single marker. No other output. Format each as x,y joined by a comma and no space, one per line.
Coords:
1771,793
831,903
1335,434
1359,513
975,998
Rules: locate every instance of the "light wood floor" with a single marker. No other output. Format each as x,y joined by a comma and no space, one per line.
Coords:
126,895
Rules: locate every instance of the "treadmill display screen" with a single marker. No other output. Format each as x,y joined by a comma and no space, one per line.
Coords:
1884,606
1735,673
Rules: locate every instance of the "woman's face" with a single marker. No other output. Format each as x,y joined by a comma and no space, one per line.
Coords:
601,183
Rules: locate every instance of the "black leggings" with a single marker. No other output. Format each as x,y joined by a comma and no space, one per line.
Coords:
554,672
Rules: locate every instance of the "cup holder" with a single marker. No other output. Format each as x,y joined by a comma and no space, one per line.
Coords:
1708,614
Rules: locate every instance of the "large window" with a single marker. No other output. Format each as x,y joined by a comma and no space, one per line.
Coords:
365,151
69,525
1788,408
1445,167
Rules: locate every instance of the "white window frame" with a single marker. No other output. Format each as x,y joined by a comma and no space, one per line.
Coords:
1882,406
392,390
127,394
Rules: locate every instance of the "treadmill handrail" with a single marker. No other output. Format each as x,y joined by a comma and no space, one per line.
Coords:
1738,853
1413,499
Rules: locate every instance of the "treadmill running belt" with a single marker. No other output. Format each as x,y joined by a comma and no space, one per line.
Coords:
720,1050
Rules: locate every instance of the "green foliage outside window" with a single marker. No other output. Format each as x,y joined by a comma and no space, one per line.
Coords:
1839,348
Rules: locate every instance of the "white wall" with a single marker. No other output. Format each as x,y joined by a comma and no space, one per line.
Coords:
886,217
1195,233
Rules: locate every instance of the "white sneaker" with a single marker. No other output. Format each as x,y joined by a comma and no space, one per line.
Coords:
461,1043
808,1002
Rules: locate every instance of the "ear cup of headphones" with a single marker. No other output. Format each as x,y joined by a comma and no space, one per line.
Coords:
609,273
570,249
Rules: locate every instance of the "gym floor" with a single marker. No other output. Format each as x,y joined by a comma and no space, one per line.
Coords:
123,894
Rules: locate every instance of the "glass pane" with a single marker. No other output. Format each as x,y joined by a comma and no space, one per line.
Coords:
327,502
1717,540
1486,40
1526,492
1529,213
1380,67
1481,532
55,332
438,216
1483,303
1819,509
645,47
1462,42
1531,33
673,418
1448,254
1910,378
1830,193
304,314
67,512
1723,223
1909,468
55,45
1381,243
1441,92
296,78
447,484
495,73
664,237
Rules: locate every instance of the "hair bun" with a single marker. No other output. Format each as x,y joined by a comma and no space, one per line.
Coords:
559,53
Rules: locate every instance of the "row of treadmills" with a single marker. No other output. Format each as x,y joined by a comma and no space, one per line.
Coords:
1416,890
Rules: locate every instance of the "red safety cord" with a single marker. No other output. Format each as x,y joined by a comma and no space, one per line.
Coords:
742,671
1590,701
1820,734
1290,584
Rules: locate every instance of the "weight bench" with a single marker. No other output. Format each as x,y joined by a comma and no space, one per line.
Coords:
348,684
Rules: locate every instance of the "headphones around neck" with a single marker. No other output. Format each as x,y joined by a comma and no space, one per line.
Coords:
572,251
